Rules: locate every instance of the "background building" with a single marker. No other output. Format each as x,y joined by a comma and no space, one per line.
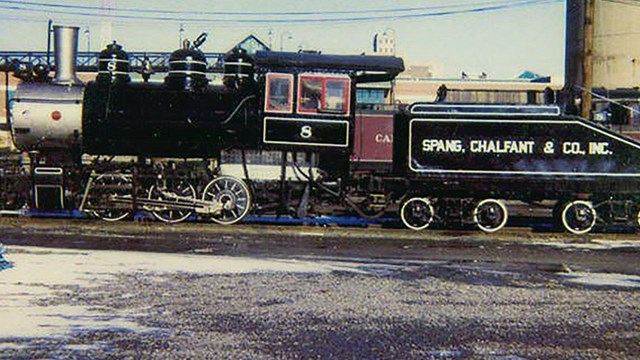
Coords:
616,43
602,61
384,43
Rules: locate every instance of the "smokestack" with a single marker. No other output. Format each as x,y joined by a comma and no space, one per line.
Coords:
65,52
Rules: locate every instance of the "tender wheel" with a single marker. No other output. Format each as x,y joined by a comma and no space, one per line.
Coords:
417,213
578,217
107,185
490,215
232,194
172,216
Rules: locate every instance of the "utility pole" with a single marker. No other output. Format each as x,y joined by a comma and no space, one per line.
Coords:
49,31
587,58
106,23
289,37
181,36
87,32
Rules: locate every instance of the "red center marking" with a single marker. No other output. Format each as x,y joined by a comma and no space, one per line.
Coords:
56,115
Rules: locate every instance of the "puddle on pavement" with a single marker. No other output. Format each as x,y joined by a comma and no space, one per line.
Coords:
594,245
508,274
604,280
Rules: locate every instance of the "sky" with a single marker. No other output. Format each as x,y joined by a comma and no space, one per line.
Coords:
501,38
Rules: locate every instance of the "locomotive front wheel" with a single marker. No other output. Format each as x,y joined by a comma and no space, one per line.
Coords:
417,213
578,217
112,185
171,216
490,215
232,194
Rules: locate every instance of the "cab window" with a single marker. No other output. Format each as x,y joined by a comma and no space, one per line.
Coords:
323,94
279,93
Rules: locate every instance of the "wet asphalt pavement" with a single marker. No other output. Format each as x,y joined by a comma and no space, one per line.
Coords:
323,293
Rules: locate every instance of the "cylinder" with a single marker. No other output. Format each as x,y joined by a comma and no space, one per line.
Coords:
65,52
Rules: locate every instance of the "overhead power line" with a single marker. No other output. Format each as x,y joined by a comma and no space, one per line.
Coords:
257,13
271,17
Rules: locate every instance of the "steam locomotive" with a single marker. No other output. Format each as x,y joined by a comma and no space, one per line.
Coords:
276,137
190,146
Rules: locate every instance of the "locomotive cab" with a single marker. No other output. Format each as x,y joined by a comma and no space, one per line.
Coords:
315,116
307,103
308,99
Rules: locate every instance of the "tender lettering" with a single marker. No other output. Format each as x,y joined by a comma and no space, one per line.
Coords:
599,148
384,138
572,148
442,145
502,146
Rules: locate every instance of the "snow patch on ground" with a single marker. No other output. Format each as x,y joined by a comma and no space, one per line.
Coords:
37,272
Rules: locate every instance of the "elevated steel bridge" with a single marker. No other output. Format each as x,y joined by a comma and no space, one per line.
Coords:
88,61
